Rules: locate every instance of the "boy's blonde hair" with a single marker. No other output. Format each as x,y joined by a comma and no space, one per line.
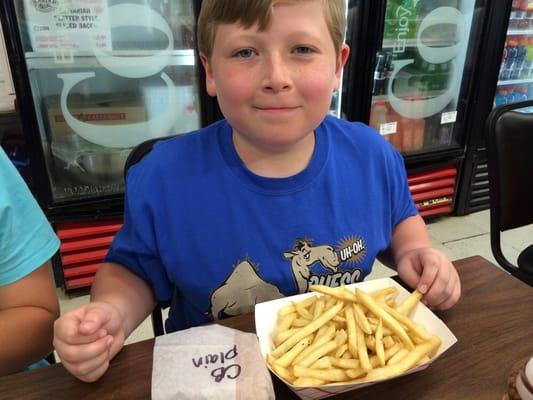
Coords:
250,12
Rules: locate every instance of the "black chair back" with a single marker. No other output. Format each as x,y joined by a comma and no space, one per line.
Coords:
136,155
510,149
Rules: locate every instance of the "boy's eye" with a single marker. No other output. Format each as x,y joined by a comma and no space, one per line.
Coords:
244,53
303,50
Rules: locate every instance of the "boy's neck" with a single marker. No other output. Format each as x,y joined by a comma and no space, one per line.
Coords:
275,162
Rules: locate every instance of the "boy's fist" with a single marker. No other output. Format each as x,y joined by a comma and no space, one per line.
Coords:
87,338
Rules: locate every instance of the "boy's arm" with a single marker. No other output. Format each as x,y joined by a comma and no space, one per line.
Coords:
28,308
128,293
88,337
422,266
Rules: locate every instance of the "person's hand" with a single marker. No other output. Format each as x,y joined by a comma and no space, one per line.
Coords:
430,271
87,338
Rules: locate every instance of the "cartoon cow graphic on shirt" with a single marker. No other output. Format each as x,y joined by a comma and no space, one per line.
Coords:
244,287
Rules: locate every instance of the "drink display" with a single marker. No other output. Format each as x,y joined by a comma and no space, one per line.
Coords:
515,81
419,69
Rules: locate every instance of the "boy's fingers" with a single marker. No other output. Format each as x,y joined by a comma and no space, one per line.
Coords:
409,272
94,319
75,355
430,270
441,288
87,368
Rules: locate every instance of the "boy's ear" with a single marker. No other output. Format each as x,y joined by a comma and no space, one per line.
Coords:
209,79
341,62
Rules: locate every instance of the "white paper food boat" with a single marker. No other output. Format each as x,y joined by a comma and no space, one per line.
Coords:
266,319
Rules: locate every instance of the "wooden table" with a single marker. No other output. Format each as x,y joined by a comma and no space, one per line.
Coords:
493,323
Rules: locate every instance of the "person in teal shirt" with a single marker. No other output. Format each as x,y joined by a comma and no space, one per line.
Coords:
28,300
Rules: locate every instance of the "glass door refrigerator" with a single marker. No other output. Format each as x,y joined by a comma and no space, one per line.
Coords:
507,78
93,79
415,84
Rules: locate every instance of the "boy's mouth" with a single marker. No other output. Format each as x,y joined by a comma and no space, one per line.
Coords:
276,109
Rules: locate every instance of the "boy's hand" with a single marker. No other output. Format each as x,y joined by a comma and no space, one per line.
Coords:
430,271
87,338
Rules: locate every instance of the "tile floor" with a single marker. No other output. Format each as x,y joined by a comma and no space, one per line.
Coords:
457,237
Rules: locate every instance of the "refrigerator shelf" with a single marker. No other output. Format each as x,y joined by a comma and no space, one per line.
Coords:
413,43
513,32
45,60
515,82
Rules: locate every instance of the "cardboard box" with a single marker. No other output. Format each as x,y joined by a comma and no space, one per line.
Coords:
266,319
100,110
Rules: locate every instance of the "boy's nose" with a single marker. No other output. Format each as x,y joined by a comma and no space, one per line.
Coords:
277,76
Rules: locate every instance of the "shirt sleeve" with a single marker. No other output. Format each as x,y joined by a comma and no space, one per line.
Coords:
135,245
27,240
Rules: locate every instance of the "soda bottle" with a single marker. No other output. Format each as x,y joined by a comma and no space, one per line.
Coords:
510,95
521,51
529,57
522,94
513,20
512,53
504,75
501,97
380,76
523,22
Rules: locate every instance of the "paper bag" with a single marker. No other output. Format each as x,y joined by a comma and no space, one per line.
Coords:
210,362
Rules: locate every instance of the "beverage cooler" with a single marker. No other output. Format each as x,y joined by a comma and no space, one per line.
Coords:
412,77
507,78
94,78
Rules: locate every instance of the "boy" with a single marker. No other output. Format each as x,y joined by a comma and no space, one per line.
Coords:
261,205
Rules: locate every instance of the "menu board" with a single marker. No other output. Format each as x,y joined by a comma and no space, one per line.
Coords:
60,26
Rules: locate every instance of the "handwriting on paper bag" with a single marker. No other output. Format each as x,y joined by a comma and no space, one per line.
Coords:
218,361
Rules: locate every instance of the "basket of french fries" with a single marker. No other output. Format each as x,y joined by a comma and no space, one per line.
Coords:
333,340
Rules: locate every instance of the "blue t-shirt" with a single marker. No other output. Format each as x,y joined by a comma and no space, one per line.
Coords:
214,238
27,240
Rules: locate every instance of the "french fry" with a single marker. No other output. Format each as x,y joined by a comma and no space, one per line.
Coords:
321,363
352,334
316,354
286,359
299,322
302,312
306,330
286,322
388,320
361,319
407,362
291,309
306,382
380,348
331,375
410,302
319,308
284,335
362,351
326,337
341,350
337,293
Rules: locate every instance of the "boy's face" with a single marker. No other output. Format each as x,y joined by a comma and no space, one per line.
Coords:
275,87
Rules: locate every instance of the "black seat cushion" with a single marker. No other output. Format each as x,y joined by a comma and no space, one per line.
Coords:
525,260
